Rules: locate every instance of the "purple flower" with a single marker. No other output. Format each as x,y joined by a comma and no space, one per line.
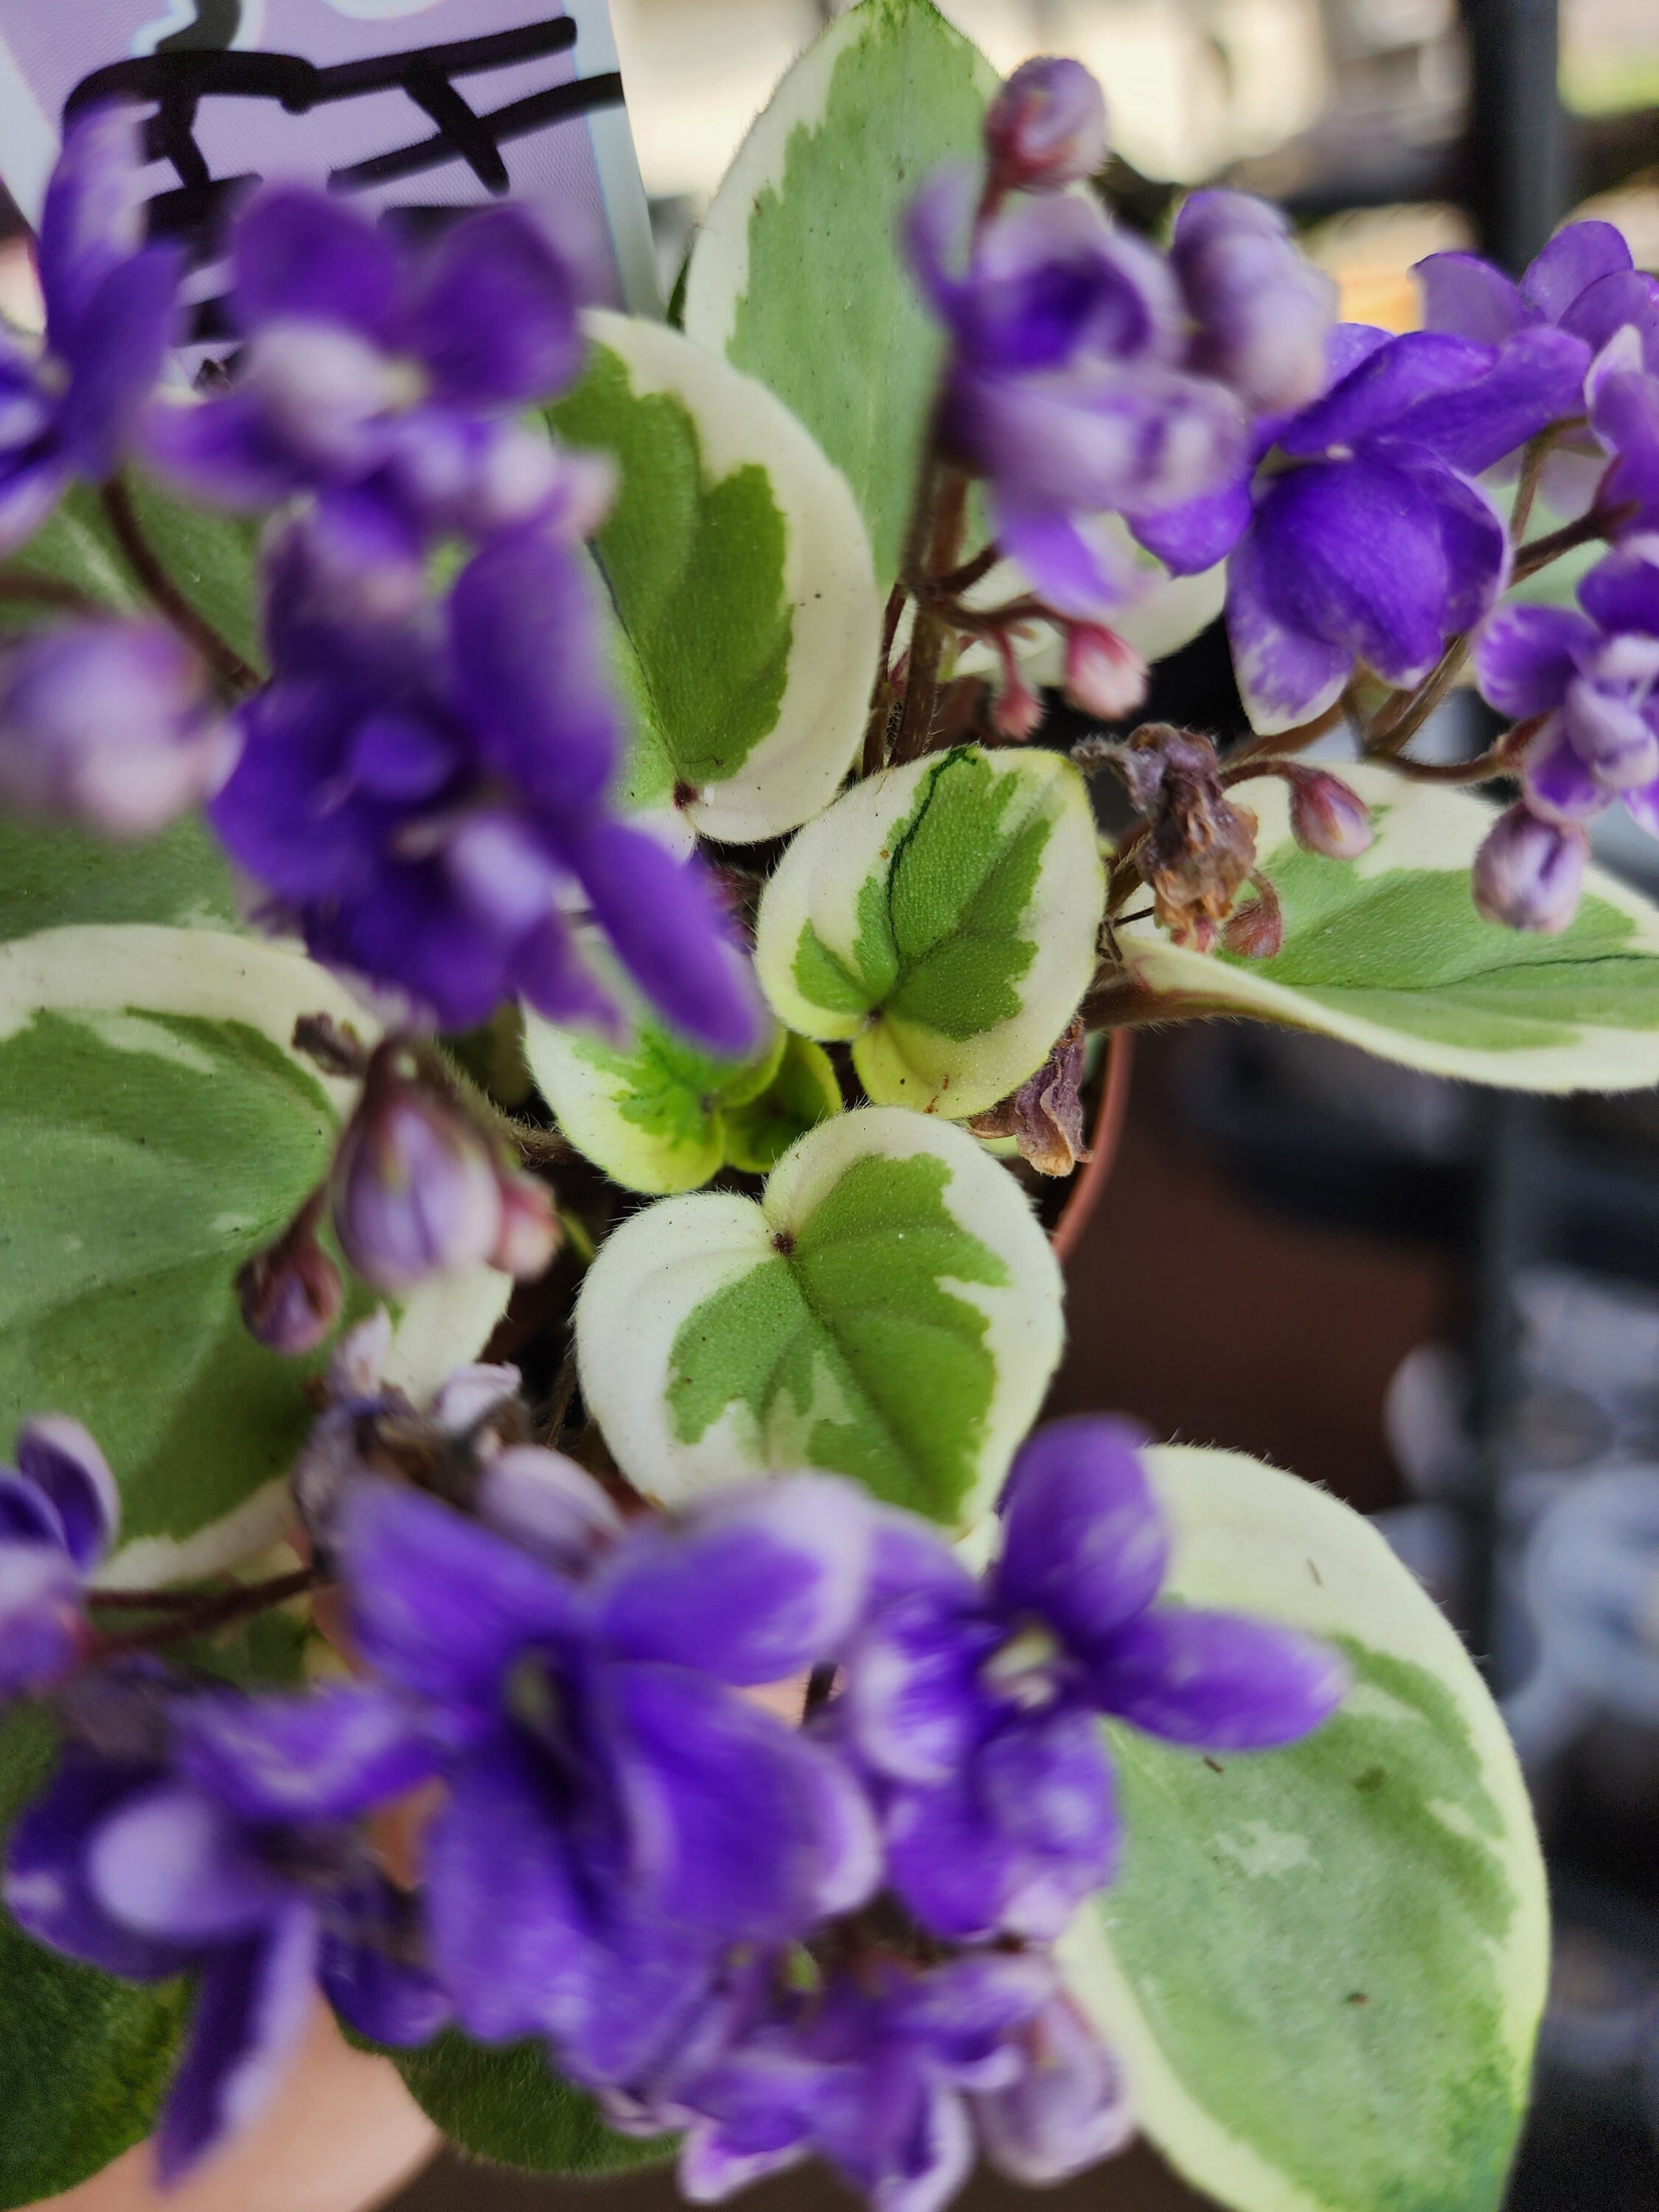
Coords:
59,1511
205,1834
1623,388
291,1294
617,1814
1261,311
973,1706
1065,387
368,363
416,1189
422,796
1046,129
109,724
1528,874
109,302
1584,282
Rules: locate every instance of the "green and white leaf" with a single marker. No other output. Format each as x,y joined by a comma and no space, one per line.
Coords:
51,877
503,2105
943,916
1324,1967
1388,952
741,571
796,275
155,1129
659,1116
889,1310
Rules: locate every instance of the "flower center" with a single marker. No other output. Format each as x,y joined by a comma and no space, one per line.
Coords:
1025,1670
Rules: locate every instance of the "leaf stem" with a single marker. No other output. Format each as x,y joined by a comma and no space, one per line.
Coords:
1107,1136
46,592
220,656
215,1612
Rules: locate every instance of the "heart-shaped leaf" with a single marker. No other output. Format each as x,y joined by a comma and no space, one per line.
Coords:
891,1310
506,2106
796,276
943,916
1388,952
1324,1967
741,572
158,1129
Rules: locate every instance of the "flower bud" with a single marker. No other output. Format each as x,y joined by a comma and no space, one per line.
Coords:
1067,2108
291,1294
1105,675
415,1185
1017,713
1046,128
1262,311
1528,874
109,724
1326,817
530,1234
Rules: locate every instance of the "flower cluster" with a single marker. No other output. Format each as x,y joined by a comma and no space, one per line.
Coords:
824,1936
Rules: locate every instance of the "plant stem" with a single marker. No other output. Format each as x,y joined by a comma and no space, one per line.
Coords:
46,592
1388,737
215,1612
928,636
1107,1136
220,656
1542,551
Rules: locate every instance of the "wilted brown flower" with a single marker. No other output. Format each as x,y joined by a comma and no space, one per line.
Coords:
1045,1115
1199,847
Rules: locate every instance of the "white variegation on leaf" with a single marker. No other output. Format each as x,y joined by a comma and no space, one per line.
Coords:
1388,952
1323,1968
741,572
942,916
161,1129
889,1310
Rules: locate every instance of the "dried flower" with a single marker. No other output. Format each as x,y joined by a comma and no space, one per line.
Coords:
1199,848
1045,1114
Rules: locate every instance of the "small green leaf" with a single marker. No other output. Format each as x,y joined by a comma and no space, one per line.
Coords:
740,572
889,1310
158,1129
803,1093
51,878
505,2105
796,275
1324,1967
1388,952
943,916
84,2059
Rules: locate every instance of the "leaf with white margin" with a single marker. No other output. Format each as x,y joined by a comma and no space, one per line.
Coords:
738,563
1323,1968
1388,952
158,1128
796,275
660,1116
943,916
889,1310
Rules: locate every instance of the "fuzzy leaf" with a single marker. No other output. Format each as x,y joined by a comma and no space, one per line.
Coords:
741,575
1324,1967
51,878
891,1310
796,276
505,2105
944,917
1388,952
157,1130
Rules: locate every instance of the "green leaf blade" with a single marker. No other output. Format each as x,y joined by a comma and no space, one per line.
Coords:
505,2105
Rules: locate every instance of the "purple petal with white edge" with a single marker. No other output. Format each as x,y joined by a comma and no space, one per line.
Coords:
918,2161
1083,1541
1467,298
474,1396
39,1616
1559,783
1070,571
121,342
1643,807
1607,719
530,669
62,1461
1475,544
1350,553
968,2009
251,2008
1191,538
659,914
303,256
93,217
47,1890
761,1583
949,1861
1053,285
1526,657
1575,257
325,1756
710,2169
438,1603
1622,591
1539,378
506,1931
547,1504
1068,2109
1529,873
170,1862
910,1702
27,1515
500,872
496,320
1218,1680
1285,677
1396,375
1099,436
1625,416
549,974
1048,1783
740,1826
1628,295
220,452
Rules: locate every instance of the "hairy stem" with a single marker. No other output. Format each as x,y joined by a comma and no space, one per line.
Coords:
220,656
927,638
215,1612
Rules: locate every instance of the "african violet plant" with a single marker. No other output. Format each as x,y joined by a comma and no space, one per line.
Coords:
802,1756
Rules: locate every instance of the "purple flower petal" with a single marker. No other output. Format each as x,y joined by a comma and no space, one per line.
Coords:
759,1585
1191,538
325,1756
938,225
1467,298
121,342
62,1461
1394,377
220,451
1572,262
1067,2112
1473,542
303,256
949,1861
1560,785
1218,1680
27,1515
1539,378
93,218
1083,1543
1643,807
29,489
39,1616
251,2011
274,813
495,319
368,1967
437,1602
1628,295
1073,574
170,1863
911,1706
1526,657
1529,873
1285,677
1622,591
1048,1783
46,1889
545,1503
